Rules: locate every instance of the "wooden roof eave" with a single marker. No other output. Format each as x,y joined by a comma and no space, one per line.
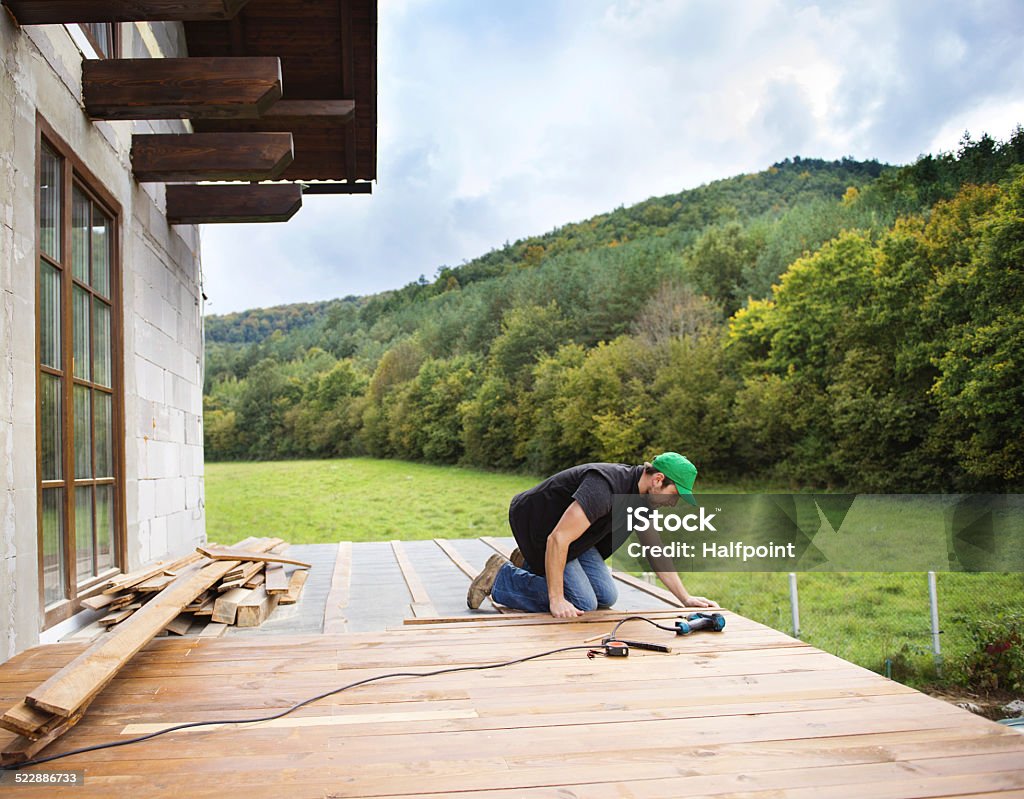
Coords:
57,12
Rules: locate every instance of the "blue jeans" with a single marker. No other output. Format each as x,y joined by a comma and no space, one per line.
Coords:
587,580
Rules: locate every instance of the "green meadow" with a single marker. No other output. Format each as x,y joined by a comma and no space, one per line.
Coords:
878,620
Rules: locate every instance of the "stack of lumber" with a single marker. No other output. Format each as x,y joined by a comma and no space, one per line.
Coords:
239,585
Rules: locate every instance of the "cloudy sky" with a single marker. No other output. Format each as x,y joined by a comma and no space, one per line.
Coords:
499,119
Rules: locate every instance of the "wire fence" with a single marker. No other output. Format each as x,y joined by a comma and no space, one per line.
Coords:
923,629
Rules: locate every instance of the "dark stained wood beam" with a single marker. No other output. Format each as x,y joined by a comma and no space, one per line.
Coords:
334,187
55,12
289,115
166,157
200,205
179,88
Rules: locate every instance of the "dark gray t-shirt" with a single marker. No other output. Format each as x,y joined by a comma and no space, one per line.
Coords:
534,513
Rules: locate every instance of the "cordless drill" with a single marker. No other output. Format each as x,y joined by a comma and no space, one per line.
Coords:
715,622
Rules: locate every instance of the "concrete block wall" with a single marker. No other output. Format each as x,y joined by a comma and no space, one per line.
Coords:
40,71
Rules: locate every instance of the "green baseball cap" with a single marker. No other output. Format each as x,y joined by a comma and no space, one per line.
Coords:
680,471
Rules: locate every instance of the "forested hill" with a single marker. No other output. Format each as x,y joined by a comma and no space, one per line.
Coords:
819,323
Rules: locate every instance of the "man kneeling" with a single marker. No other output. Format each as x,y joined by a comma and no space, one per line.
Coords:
563,528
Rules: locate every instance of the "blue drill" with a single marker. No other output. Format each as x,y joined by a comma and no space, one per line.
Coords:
715,622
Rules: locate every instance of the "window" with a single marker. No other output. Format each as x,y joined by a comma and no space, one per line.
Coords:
79,396
103,38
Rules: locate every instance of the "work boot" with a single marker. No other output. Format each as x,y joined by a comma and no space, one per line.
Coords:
517,559
482,584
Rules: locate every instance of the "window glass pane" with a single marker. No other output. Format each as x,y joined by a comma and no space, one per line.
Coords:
100,252
49,315
49,203
104,527
103,432
100,342
80,325
49,388
102,36
80,207
53,545
83,433
83,532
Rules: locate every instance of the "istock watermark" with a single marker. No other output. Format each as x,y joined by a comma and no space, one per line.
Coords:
821,532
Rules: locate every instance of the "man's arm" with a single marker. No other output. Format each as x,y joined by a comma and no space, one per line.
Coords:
572,525
662,566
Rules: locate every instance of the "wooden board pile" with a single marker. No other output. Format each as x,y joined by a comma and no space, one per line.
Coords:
239,585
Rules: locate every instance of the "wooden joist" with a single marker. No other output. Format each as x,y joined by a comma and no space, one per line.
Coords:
179,88
165,157
286,115
74,686
196,205
225,609
58,12
421,605
254,609
449,549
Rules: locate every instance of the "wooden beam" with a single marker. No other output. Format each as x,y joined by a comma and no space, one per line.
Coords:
337,597
449,549
179,88
166,157
195,205
295,583
421,604
57,12
336,187
285,115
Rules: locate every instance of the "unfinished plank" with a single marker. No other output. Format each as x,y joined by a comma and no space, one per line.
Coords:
248,572
98,602
225,609
214,629
255,608
497,545
337,598
22,748
76,684
25,720
154,584
298,579
256,580
276,579
229,553
118,616
449,549
421,604
180,625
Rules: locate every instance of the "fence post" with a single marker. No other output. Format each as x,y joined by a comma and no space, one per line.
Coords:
933,598
794,602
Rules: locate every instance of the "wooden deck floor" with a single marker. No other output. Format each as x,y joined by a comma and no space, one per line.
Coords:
749,712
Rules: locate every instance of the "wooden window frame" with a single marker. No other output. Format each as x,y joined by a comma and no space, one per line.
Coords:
74,174
115,39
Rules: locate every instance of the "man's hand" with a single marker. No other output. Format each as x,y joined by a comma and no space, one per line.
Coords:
700,602
564,609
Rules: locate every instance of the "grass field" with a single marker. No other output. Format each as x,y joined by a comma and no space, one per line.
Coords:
867,618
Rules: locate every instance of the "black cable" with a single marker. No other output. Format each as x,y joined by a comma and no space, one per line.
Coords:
139,739
641,618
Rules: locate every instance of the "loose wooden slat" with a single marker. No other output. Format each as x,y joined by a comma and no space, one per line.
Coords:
119,616
179,88
653,590
225,553
497,545
298,579
98,602
214,629
256,580
421,604
449,549
247,573
180,625
25,720
154,584
276,579
254,609
225,609
22,748
76,684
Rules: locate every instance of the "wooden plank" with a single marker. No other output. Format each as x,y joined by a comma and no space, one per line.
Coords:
118,616
295,583
60,12
25,720
22,748
287,115
652,590
497,545
165,157
449,549
337,597
421,604
76,684
248,571
256,580
181,624
276,579
225,609
195,205
225,553
98,602
214,629
154,584
255,608
180,88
